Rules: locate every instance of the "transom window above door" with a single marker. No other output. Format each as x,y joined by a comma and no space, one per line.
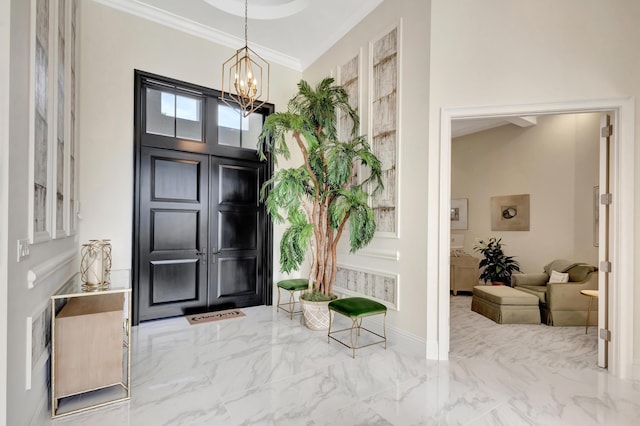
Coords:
236,130
182,116
174,114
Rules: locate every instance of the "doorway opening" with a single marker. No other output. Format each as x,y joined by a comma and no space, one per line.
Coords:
621,222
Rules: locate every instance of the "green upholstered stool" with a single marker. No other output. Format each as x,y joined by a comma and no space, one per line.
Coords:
291,285
356,308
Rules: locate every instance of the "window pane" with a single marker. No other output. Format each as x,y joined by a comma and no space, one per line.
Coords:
252,133
229,122
188,118
160,113
236,130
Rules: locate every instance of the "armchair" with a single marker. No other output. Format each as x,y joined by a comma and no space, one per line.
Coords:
561,304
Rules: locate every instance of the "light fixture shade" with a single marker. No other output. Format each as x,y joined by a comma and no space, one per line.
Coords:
245,80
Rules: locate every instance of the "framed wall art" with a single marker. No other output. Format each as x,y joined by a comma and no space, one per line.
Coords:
459,213
510,213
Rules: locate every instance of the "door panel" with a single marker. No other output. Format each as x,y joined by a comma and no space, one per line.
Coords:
237,247
173,233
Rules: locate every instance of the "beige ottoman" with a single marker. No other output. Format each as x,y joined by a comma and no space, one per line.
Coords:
505,305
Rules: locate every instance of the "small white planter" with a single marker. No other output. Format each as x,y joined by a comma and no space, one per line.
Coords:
316,314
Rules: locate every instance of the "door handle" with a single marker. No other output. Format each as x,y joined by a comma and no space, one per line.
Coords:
214,252
202,254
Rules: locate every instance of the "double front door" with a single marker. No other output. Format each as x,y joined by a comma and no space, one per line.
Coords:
201,237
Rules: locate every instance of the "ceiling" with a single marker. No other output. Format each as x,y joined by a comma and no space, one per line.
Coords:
463,127
293,33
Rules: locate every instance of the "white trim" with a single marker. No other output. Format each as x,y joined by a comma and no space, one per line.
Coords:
38,274
179,23
44,356
622,220
393,255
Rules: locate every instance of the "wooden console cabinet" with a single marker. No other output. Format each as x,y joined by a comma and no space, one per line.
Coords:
90,341
464,273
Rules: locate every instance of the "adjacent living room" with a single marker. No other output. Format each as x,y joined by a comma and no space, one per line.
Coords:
554,160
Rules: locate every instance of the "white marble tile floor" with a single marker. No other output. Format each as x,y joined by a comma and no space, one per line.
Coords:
264,369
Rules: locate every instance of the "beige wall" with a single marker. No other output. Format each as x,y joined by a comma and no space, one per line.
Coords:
556,163
497,52
414,116
113,44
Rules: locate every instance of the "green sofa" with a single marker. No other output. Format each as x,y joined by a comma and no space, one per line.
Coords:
561,304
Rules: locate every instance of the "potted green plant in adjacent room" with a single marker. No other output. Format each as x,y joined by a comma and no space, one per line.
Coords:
320,197
497,267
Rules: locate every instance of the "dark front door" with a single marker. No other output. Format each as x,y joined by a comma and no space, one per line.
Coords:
237,218
201,238
173,232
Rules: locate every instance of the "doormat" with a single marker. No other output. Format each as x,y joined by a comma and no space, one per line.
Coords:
214,316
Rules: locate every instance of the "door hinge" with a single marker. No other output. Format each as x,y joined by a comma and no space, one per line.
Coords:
606,199
605,334
606,131
605,266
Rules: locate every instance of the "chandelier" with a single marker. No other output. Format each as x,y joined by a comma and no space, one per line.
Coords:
245,77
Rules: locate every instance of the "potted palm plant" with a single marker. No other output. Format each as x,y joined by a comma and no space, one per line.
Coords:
496,266
320,197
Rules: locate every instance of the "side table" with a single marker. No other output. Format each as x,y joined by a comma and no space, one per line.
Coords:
90,346
591,294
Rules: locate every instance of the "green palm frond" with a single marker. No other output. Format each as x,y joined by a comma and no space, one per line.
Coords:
290,186
293,245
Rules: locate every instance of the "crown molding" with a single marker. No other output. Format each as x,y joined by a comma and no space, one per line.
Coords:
196,29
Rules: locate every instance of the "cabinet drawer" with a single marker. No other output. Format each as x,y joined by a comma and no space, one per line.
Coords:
89,344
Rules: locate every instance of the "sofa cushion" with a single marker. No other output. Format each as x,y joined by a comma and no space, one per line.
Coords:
540,291
559,277
580,272
560,265
529,279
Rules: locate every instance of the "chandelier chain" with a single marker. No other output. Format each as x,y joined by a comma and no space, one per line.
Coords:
246,43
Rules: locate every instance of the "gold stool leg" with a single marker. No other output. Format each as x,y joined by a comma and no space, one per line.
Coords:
278,303
354,324
291,304
384,330
586,327
329,331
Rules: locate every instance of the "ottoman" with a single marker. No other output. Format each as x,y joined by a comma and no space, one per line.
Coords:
357,308
505,305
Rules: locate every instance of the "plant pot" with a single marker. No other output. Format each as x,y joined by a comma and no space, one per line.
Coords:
497,283
316,314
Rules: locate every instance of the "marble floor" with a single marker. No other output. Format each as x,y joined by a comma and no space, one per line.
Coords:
264,369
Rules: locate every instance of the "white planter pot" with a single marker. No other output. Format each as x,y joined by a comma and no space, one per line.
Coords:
316,314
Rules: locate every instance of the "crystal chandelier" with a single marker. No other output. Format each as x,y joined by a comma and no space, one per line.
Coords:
245,77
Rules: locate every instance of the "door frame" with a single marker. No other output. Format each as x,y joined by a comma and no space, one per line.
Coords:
139,80
622,220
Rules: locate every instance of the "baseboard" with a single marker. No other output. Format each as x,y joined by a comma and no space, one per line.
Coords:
407,341
433,350
635,369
